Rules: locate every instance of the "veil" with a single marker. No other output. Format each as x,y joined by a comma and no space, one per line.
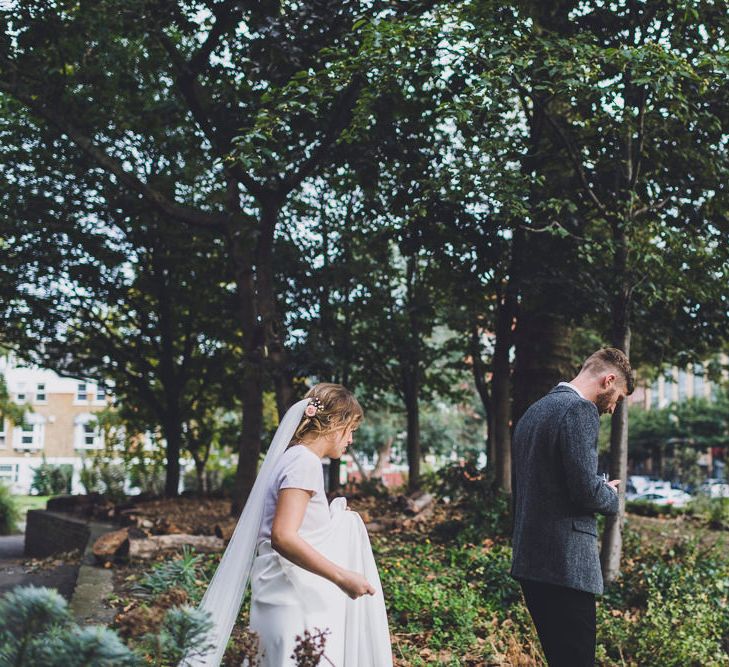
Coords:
224,595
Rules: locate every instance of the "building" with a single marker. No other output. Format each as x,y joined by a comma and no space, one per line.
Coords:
676,386
60,424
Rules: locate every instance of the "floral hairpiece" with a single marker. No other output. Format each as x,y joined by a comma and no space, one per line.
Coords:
315,405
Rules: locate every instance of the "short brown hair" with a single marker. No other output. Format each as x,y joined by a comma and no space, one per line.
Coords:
611,357
339,410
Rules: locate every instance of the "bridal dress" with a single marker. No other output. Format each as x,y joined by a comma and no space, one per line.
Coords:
286,600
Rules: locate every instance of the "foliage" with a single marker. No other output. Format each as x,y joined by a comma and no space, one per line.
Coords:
52,480
488,510
185,571
36,628
9,511
714,511
184,633
669,606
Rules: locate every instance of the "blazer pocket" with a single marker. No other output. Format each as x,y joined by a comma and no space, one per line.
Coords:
585,526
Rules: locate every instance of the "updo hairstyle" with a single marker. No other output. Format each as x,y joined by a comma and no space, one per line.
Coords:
339,410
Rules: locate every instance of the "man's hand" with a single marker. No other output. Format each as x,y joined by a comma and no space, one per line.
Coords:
613,484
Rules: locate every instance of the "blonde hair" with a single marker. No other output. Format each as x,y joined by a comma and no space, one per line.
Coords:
339,410
610,357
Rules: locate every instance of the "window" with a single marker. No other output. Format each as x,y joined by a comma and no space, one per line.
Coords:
682,385
21,392
40,392
26,435
2,431
100,393
654,394
29,434
86,433
699,380
89,435
9,472
668,391
81,392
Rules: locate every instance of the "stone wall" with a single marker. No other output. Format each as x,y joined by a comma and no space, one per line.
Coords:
49,533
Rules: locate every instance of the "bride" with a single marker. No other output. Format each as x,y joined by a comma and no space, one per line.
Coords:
310,564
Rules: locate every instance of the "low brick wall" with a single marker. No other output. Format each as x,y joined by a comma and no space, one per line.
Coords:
48,533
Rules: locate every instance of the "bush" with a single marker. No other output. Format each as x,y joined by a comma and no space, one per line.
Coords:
219,479
714,511
91,479
185,572
668,608
36,628
9,513
647,508
52,480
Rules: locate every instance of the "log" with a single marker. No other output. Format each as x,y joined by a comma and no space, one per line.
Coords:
224,530
110,545
150,547
417,502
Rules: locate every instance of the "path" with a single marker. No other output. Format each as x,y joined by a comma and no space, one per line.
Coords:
54,574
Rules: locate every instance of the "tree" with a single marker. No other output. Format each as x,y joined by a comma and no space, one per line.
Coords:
260,92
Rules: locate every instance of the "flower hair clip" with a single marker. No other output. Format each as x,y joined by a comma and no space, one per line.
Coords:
315,405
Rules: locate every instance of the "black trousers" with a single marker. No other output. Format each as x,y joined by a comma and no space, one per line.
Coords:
565,622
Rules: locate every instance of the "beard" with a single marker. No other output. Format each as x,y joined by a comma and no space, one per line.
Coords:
604,400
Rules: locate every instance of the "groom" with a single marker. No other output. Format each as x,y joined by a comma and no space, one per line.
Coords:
557,492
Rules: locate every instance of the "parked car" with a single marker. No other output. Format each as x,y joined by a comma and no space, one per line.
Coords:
715,488
663,497
639,484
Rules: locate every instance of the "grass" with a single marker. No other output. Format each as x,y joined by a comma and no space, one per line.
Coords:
26,503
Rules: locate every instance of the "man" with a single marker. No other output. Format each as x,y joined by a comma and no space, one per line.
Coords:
557,492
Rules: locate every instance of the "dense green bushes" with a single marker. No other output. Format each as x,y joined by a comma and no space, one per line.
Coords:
37,629
9,513
52,480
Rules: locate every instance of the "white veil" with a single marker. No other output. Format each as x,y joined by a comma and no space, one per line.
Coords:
224,595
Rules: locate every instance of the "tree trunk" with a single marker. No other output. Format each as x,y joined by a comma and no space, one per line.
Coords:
384,452
271,325
172,430
249,444
501,395
200,474
542,357
334,467
612,537
482,387
412,408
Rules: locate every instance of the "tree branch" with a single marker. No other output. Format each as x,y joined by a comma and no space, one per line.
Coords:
340,110
579,168
191,216
652,208
192,93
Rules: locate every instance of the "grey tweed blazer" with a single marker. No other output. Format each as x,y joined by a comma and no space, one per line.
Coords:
556,493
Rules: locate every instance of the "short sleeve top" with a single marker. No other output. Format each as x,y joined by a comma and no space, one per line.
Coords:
297,468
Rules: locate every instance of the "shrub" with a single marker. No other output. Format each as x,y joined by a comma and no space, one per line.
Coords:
9,513
113,476
91,479
52,480
184,634
36,628
184,572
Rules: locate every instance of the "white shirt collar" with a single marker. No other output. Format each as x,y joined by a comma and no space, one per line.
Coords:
575,389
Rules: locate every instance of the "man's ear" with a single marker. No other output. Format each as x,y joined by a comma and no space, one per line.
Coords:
609,380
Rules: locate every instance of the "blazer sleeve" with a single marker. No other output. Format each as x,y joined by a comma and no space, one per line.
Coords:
577,440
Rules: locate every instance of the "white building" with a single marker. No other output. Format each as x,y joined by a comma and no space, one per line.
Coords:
59,425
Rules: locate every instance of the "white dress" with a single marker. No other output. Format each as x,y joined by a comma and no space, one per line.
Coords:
286,599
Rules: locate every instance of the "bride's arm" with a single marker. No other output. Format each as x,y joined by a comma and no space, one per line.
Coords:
285,539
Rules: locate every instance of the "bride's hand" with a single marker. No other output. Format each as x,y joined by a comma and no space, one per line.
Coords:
354,584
